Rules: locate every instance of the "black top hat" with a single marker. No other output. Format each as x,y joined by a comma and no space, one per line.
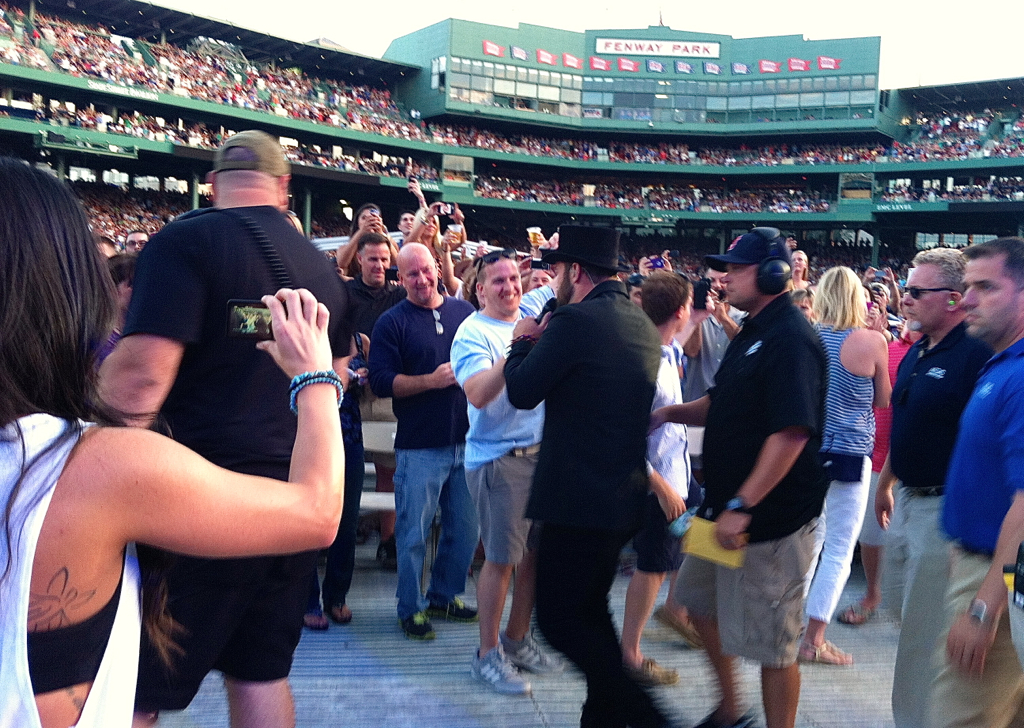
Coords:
593,246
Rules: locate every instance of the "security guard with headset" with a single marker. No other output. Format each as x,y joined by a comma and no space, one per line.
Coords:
764,484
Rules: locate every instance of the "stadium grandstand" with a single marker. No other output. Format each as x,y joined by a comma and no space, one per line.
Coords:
680,139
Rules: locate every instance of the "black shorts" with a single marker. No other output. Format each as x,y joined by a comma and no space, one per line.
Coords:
242,616
657,550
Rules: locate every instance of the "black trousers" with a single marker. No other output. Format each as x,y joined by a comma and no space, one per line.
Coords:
575,571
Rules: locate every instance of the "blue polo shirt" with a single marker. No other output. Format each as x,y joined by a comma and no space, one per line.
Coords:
987,467
931,390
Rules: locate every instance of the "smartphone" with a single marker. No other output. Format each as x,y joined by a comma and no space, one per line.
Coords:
538,264
248,319
700,294
444,209
657,261
412,178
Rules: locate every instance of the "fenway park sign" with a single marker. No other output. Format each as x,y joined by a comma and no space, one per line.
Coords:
634,47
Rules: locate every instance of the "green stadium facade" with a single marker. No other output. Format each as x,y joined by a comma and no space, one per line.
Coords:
671,123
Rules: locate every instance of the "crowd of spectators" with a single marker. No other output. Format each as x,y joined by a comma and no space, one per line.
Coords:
632,196
465,136
114,212
1012,143
997,189
197,134
94,52
946,137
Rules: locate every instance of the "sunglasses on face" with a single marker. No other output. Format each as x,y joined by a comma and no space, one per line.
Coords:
494,256
916,292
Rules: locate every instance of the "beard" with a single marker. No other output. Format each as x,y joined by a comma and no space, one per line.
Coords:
565,291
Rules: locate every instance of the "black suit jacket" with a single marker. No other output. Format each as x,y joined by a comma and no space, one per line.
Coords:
595,368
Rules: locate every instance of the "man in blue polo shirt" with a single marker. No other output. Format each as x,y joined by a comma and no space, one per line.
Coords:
981,682
935,380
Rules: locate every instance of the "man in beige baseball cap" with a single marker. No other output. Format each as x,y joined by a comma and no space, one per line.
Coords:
259,172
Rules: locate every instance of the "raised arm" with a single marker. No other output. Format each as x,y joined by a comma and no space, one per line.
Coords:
147,488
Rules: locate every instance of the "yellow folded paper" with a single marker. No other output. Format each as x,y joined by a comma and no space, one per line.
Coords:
700,541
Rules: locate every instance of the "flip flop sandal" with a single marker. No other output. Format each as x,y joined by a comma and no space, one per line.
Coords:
826,654
315,621
856,615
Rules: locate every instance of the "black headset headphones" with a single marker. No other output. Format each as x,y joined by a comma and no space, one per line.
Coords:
775,271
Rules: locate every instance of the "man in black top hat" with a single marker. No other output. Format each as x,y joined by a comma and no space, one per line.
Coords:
764,486
594,363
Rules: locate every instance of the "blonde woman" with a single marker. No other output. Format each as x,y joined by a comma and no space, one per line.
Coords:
858,381
801,271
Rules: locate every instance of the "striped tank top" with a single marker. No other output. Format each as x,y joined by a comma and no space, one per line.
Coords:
849,417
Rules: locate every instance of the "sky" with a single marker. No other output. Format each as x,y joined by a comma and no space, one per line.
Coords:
923,44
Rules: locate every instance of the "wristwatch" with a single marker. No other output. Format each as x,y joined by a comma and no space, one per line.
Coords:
978,611
736,504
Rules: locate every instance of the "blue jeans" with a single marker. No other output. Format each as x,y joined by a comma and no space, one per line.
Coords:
426,479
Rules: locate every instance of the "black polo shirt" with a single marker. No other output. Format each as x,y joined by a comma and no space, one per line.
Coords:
366,304
773,376
932,388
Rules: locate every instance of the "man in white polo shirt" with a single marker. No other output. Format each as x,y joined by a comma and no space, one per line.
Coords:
501,454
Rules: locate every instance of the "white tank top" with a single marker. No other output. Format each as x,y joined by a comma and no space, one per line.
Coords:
111,700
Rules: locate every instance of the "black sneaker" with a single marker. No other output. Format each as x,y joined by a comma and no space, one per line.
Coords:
454,611
417,627
387,554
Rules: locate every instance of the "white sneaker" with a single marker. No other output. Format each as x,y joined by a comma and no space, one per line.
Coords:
527,655
495,669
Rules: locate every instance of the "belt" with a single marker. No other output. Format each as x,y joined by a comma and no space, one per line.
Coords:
522,452
925,492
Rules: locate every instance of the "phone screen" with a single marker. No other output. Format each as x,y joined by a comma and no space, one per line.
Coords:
248,319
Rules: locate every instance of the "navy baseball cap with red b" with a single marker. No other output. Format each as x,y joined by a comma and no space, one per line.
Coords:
752,248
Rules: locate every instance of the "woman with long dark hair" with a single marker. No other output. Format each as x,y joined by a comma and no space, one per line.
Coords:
77,489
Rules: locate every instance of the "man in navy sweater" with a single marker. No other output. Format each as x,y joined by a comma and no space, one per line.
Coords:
410,360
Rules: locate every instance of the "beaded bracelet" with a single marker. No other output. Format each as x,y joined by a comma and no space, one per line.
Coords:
322,376
525,337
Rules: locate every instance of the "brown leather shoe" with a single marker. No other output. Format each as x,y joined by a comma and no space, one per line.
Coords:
651,674
684,628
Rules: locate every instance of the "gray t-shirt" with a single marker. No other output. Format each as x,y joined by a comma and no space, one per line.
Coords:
701,369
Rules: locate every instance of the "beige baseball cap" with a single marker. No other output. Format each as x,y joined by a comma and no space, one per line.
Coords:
262,153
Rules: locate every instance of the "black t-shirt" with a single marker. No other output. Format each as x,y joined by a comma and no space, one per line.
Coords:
773,376
367,304
229,401
932,388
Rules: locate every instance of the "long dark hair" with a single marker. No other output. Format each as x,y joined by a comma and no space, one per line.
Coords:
57,308
355,218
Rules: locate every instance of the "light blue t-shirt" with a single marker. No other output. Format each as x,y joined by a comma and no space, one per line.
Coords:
498,427
534,301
